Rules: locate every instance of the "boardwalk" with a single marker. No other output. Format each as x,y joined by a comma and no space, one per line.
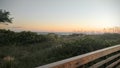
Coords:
81,60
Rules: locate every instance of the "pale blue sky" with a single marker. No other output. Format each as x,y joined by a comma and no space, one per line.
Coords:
52,15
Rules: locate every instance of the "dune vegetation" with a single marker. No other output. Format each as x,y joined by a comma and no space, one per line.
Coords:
28,49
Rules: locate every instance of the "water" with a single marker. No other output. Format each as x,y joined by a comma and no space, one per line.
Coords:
69,33
59,33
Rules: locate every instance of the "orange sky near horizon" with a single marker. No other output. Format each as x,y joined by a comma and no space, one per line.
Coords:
54,28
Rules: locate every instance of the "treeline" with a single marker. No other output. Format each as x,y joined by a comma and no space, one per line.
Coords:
25,37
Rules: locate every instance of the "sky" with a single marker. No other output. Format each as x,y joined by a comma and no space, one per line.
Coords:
62,15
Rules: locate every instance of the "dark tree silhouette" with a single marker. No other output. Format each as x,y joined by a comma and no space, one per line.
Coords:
4,16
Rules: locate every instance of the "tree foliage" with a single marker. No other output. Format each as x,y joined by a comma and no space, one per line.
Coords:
4,16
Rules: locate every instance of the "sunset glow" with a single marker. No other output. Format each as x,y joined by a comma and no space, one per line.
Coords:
62,15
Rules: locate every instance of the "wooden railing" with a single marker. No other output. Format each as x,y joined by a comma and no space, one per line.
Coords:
81,60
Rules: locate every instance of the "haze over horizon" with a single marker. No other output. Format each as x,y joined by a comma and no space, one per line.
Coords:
62,15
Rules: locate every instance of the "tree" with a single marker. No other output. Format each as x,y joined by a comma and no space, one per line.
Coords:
4,16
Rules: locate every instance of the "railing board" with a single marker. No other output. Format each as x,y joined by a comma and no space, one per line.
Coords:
82,59
104,61
118,66
113,64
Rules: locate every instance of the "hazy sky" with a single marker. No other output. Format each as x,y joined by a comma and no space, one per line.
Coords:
62,15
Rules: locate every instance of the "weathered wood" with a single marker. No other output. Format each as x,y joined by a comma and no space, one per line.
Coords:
113,64
118,66
82,59
98,64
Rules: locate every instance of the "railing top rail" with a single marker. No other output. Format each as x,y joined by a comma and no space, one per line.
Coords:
82,59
